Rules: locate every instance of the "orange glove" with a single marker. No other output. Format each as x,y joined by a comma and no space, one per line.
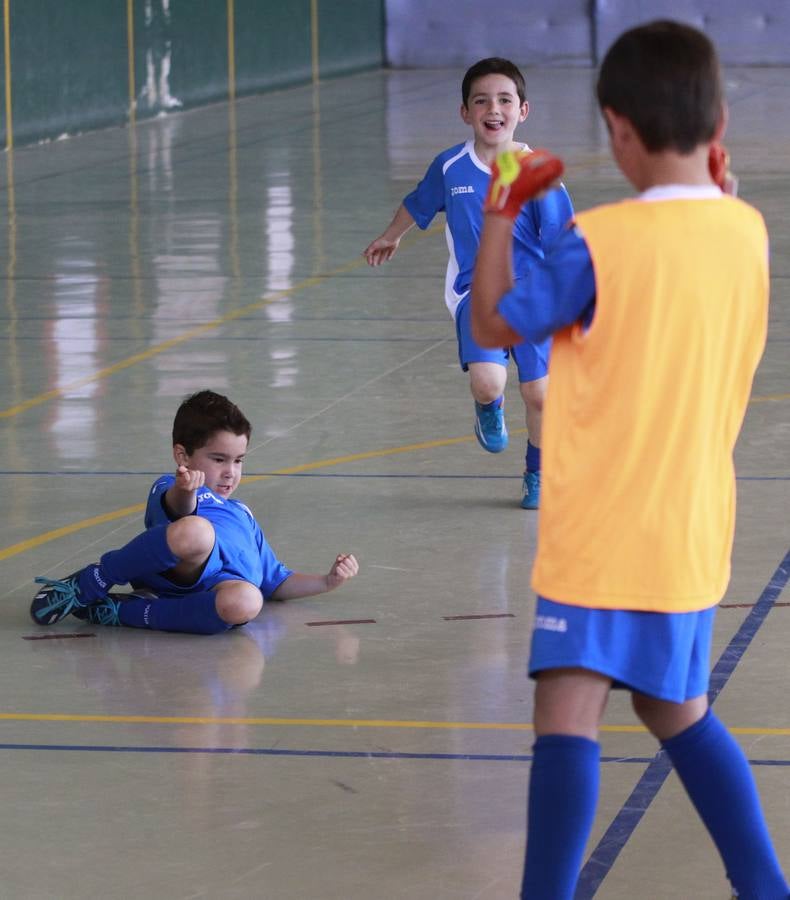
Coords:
719,168
518,176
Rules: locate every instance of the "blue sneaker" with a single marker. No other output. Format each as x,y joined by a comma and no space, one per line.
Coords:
105,612
490,428
56,599
530,498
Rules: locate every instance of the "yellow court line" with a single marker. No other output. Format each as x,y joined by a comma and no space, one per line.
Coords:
9,116
65,530
330,723
174,342
130,61
231,51
770,398
197,331
314,63
47,536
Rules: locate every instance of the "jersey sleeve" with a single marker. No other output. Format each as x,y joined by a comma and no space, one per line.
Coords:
558,291
427,199
155,512
555,211
274,572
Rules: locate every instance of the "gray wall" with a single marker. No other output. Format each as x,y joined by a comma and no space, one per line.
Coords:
574,32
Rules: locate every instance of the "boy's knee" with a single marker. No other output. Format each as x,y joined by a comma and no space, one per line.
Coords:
238,602
487,381
191,538
664,719
533,394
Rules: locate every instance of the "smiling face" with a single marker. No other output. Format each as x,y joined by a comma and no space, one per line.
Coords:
493,111
220,459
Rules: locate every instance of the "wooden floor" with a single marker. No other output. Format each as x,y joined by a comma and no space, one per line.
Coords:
373,743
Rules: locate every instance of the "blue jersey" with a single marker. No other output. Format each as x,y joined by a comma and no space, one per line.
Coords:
241,551
456,184
558,291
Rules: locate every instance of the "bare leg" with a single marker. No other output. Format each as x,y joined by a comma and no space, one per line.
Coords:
487,381
533,393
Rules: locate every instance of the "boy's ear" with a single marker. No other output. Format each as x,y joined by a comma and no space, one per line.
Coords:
524,111
465,114
721,123
180,454
621,130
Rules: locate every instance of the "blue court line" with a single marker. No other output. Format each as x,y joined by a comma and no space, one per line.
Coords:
279,340
155,473
329,754
625,822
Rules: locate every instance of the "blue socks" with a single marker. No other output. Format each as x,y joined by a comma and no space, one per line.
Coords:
146,554
715,773
494,404
192,613
532,463
717,778
149,554
563,794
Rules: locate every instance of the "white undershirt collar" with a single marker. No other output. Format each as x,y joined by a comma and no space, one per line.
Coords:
681,192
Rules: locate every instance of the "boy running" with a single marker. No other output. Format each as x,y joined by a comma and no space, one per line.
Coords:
493,103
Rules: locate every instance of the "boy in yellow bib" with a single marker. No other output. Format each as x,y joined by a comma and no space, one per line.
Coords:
658,307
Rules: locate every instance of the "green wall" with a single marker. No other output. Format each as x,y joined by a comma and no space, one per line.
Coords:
69,59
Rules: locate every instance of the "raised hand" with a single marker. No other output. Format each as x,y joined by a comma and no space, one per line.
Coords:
719,168
518,176
189,479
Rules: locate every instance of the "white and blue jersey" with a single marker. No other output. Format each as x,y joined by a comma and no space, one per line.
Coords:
240,549
456,184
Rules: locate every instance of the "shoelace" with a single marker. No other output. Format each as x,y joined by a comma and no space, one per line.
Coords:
62,594
490,417
105,613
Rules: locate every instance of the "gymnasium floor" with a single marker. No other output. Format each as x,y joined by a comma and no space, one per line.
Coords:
372,743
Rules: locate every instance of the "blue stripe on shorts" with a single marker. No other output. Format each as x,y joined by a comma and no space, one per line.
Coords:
662,655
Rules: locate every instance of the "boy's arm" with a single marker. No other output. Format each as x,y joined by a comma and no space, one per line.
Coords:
180,498
515,179
386,244
493,277
299,584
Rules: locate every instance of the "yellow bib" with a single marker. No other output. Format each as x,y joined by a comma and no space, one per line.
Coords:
643,409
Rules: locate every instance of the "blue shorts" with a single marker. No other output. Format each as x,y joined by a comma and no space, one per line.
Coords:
532,360
662,655
213,573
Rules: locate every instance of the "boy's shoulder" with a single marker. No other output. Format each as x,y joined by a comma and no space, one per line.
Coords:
242,507
452,154
162,483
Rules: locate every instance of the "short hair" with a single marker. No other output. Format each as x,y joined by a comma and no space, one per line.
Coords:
664,77
493,65
202,415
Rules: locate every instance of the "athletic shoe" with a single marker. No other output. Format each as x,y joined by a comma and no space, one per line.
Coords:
56,599
105,612
530,498
490,428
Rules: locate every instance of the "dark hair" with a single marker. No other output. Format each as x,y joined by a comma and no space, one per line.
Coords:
493,65
664,77
202,415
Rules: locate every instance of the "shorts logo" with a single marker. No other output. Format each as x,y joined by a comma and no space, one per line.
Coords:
462,189
551,623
